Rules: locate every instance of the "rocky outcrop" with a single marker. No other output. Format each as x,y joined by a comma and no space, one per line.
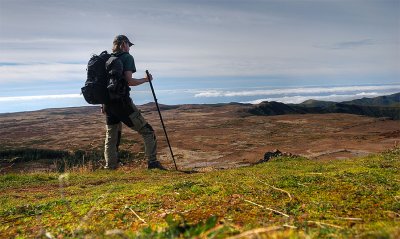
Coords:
273,154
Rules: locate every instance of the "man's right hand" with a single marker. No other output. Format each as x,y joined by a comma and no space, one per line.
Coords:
148,77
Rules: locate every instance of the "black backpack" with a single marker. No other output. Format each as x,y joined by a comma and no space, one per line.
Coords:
117,86
104,82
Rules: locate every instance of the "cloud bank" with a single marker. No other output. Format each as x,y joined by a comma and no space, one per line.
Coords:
195,96
300,99
288,91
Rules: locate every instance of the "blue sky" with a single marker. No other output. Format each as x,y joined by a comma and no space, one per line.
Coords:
202,51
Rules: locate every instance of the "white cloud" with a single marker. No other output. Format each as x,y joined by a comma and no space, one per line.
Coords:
58,41
297,99
348,44
369,94
35,73
209,38
283,91
39,97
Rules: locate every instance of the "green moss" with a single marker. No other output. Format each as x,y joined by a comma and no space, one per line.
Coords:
328,199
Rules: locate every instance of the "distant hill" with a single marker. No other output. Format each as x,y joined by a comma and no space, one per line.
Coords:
277,108
317,103
386,100
153,106
382,106
374,111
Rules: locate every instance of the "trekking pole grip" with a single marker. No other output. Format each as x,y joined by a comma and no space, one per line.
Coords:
151,86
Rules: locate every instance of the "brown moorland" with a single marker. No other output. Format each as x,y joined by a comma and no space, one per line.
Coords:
206,136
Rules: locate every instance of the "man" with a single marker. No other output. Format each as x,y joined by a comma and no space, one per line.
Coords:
125,111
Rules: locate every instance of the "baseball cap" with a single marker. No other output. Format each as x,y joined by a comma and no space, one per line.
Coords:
122,38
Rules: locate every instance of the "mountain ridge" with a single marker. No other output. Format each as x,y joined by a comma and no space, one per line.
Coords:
381,106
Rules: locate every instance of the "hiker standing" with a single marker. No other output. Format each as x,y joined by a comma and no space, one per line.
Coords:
125,111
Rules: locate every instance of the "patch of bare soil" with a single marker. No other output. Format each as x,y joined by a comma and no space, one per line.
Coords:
207,136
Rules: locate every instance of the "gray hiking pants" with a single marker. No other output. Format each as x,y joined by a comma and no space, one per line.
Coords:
126,112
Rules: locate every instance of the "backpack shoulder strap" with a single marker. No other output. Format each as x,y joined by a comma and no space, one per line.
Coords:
110,61
118,54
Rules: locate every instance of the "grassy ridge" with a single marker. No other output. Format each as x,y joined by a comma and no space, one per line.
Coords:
382,106
286,197
277,108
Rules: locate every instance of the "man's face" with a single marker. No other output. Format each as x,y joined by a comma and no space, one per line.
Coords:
125,47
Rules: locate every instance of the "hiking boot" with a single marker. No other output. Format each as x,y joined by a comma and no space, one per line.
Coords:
109,168
155,165
120,163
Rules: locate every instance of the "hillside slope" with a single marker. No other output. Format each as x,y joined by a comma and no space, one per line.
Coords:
217,136
386,100
382,106
286,197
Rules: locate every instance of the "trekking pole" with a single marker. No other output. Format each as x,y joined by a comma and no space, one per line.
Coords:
162,122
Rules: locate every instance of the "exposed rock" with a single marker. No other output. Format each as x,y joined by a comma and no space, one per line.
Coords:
273,154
